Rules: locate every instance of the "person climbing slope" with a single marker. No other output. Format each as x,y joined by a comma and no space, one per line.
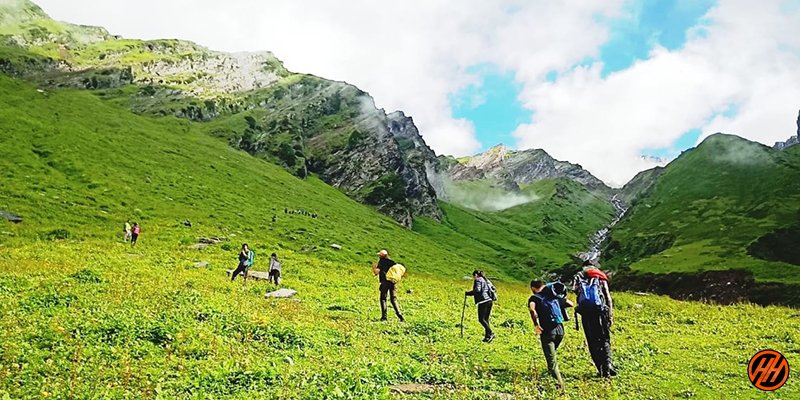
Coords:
596,309
545,309
246,257
484,295
274,269
386,287
135,233
126,231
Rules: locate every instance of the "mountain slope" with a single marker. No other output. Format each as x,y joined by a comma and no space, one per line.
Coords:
77,167
299,121
536,237
727,204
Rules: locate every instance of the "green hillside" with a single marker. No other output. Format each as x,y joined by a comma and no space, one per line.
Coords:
77,167
541,235
710,207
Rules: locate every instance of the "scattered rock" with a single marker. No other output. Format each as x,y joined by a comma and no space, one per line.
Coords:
638,306
289,360
409,291
254,275
198,246
282,293
336,247
11,217
201,264
187,223
411,388
211,240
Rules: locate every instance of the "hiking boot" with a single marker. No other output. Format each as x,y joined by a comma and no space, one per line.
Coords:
400,317
383,319
489,339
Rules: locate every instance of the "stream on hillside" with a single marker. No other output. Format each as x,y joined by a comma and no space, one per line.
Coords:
596,242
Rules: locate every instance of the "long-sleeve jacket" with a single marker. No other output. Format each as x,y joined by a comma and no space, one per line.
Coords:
480,291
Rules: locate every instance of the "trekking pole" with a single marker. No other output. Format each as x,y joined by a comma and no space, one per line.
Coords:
575,313
463,310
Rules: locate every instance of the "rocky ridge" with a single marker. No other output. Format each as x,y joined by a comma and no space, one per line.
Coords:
513,168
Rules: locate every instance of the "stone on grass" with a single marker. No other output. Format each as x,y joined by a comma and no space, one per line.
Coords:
282,293
254,275
10,217
336,247
201,264
411,388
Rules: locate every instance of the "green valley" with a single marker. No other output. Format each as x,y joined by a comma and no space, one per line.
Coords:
208,150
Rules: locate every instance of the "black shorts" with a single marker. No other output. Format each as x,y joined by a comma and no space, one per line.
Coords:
134,236
276,273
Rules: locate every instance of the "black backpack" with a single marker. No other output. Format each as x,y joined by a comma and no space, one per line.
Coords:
492,290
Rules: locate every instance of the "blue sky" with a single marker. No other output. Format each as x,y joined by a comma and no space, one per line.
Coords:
492,104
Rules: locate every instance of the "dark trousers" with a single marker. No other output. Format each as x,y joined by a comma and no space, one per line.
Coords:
550,343
484,313
389,288
239,270
275,276
598,338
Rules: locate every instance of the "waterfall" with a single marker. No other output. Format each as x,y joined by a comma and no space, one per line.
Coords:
597,240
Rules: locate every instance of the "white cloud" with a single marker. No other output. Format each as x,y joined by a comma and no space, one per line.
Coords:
412,55
749,58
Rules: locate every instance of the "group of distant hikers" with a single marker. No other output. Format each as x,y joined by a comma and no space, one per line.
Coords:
547,307
130,233
247,258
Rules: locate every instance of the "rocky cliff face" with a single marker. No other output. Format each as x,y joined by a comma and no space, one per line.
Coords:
306,123
512,168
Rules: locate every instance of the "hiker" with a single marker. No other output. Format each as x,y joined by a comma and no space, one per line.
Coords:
126,231
546,314
245,262
386,287
596,309
135,233
274,269
484,298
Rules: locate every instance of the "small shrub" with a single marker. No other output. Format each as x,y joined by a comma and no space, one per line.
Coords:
87,276
48,300
58,234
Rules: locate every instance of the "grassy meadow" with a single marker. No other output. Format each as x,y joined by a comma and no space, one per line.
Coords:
98,319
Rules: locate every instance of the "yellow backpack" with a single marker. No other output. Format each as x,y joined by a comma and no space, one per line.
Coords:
395,273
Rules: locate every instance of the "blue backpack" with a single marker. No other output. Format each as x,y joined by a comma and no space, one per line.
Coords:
589,294
552,304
